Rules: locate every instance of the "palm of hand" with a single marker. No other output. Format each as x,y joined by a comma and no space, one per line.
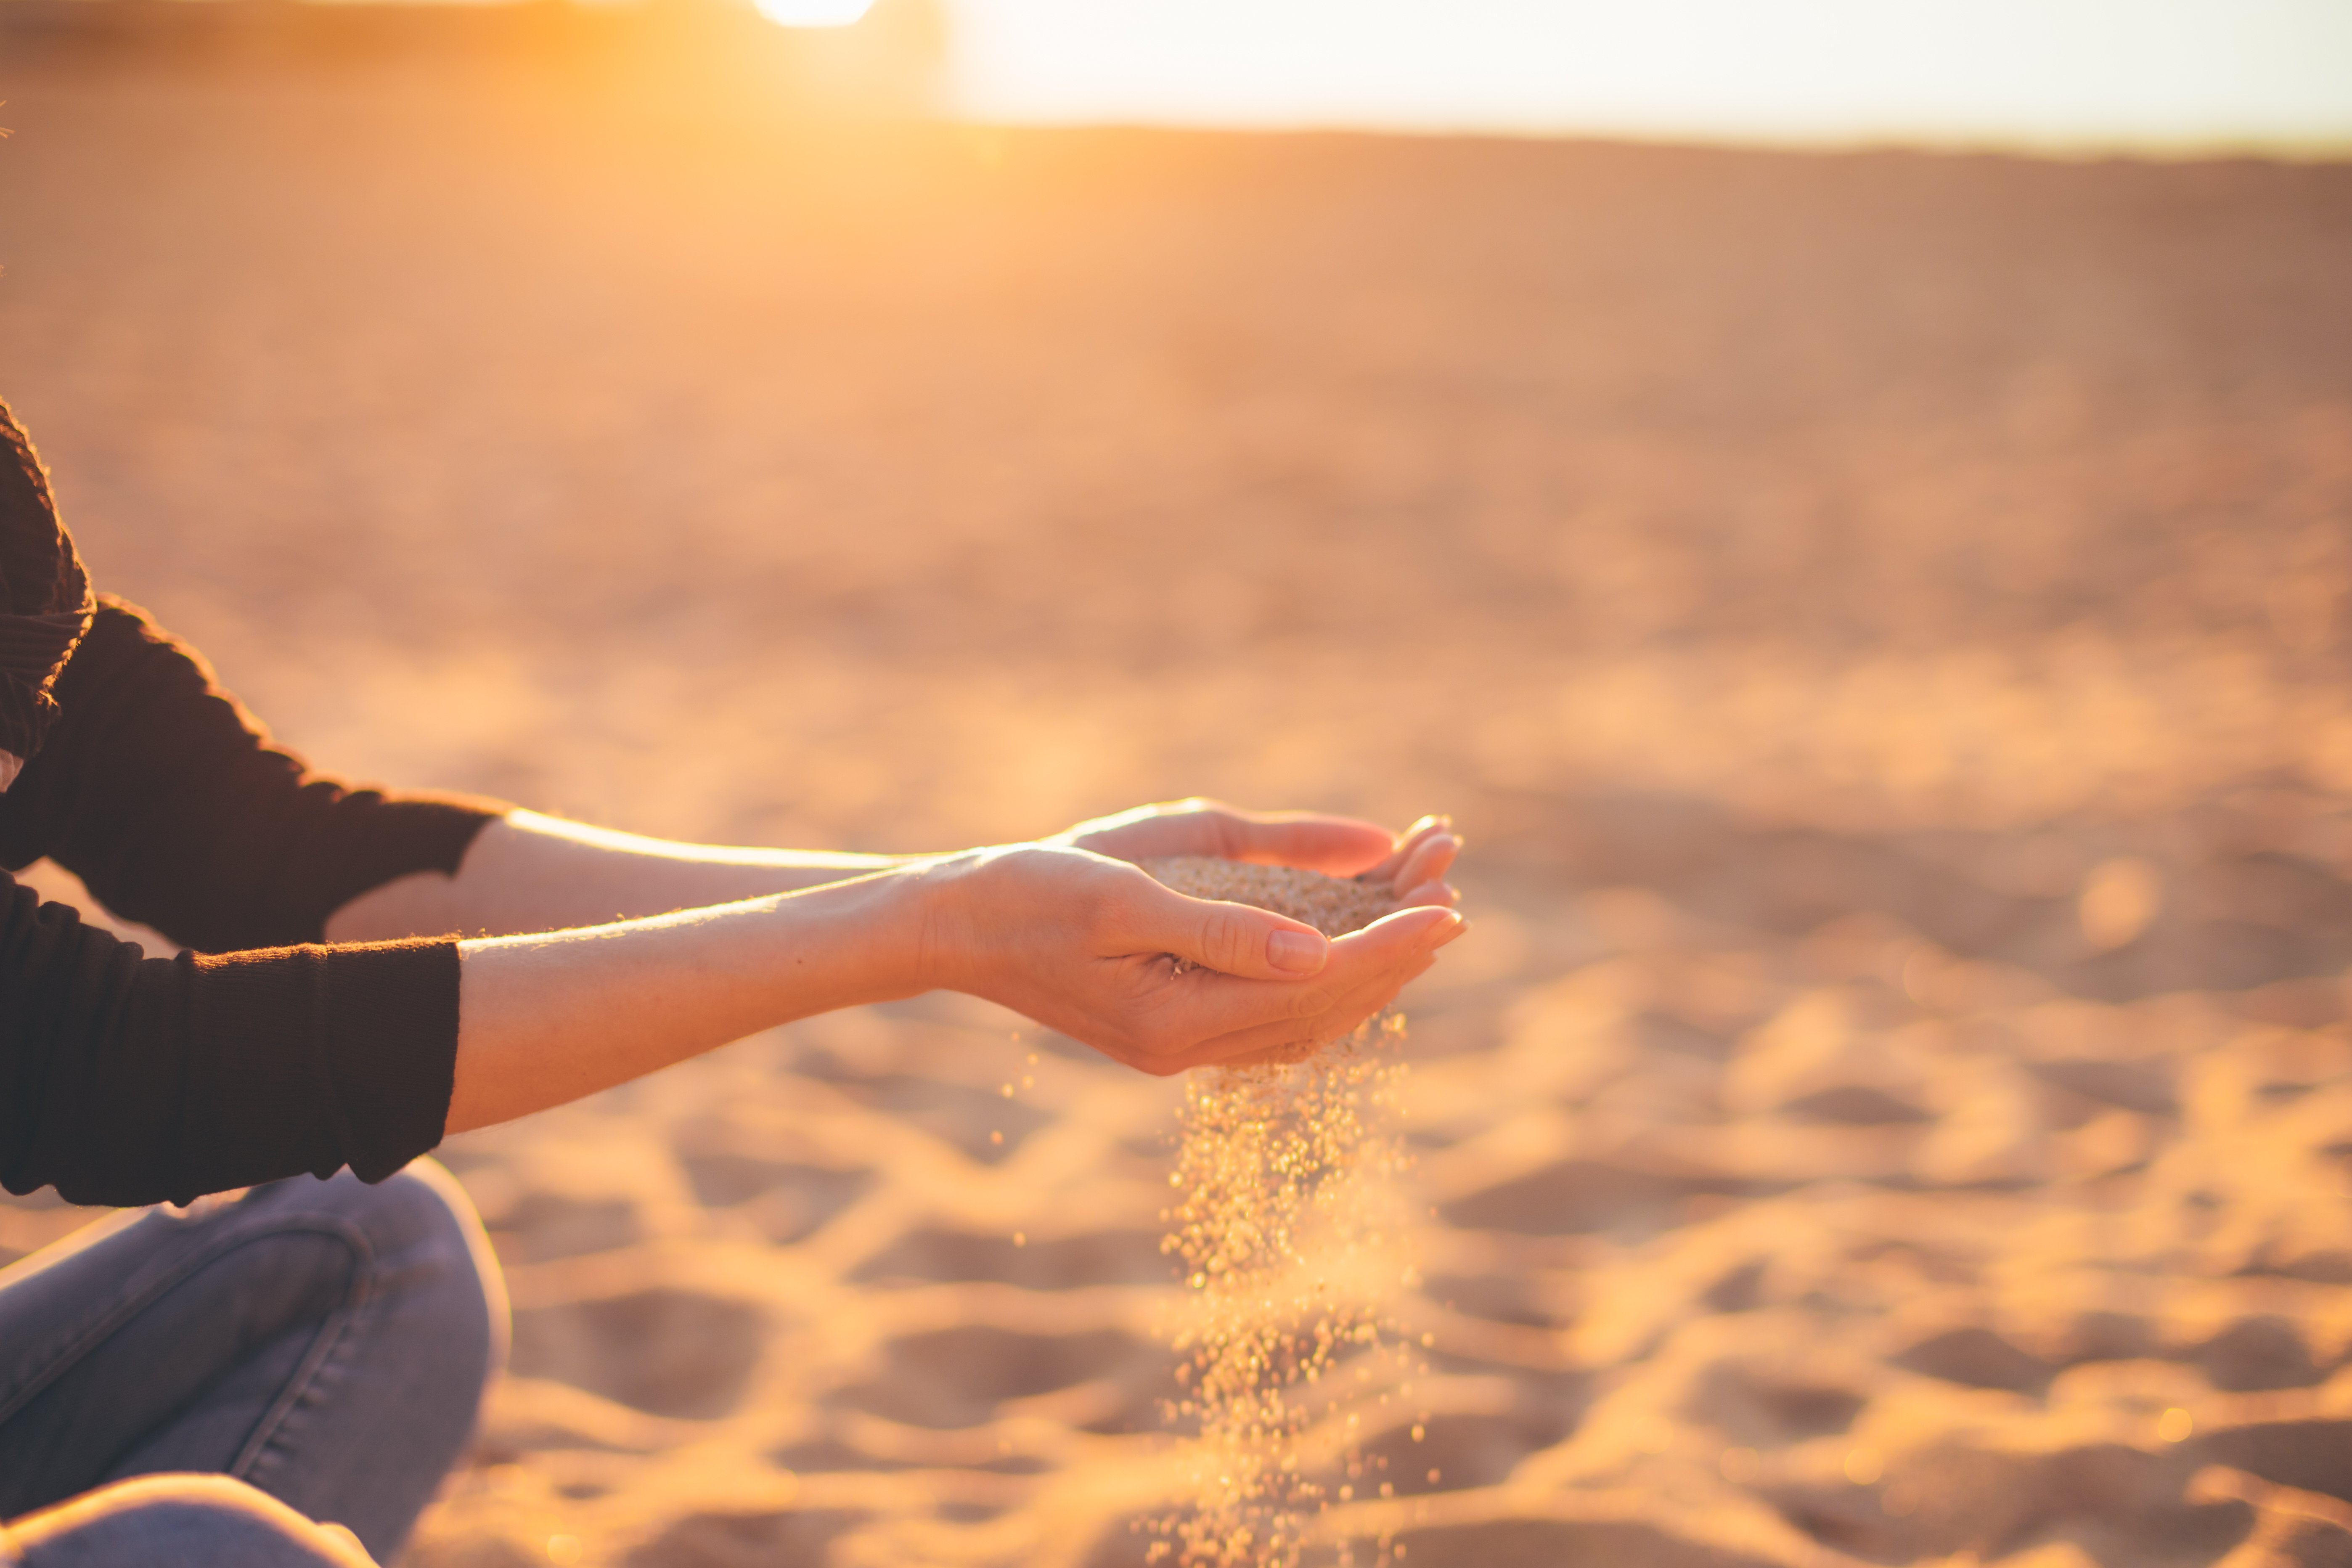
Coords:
1163,982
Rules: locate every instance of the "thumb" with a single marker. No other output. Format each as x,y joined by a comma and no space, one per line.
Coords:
1232,939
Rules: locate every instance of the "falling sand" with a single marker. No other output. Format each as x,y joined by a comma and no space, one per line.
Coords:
1284,1171
1885,621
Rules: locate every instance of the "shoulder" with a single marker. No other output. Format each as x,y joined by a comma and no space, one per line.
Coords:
45,604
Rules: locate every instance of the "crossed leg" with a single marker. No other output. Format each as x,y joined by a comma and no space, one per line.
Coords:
313,1351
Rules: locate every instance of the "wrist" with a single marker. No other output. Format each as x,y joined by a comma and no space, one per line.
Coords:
933,906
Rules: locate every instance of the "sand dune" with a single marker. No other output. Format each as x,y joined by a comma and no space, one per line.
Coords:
1879,620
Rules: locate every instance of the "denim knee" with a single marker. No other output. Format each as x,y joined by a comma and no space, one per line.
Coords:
188,1522
421,1226
366,1437
450,1215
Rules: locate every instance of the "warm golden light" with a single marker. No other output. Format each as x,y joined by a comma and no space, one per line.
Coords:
814,13
1883,621
2131,72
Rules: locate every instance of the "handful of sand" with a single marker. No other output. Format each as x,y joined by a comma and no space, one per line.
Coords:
1330,905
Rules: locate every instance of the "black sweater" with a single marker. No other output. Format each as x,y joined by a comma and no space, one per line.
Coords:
261,1053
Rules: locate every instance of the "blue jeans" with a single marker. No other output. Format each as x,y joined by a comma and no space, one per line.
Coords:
314,1350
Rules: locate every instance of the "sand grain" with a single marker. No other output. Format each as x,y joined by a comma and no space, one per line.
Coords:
1881,620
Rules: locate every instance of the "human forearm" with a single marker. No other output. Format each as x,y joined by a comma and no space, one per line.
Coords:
531,873
525,872
543,1019
1082,942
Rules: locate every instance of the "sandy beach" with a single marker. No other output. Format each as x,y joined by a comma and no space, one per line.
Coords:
1879,620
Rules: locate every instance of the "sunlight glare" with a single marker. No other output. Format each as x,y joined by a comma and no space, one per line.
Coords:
2065,72
814,13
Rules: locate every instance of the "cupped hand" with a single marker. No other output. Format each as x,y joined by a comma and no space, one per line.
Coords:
1090,945
1413,864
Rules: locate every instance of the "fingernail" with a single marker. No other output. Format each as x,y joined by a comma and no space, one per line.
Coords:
1295,952
1445,931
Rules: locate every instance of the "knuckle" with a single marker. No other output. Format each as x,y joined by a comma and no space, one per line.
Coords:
1104,908
1225,938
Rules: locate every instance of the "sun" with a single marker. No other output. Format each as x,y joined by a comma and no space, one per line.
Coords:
814,13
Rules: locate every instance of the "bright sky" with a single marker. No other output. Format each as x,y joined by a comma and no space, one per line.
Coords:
2066,72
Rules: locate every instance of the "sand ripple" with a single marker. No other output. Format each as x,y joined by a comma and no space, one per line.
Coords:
1880,622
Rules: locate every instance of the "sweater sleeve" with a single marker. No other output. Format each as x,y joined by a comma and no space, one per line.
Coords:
129,1079
172,805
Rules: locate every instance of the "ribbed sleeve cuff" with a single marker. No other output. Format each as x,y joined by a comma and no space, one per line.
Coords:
311,1059
390,1048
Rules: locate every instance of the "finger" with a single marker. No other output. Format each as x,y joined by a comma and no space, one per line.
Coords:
1234,940
1431,928
1411,840
1287,1040
1442,894
1294,1040
1336,846
1193,826
1428,861
1139,817
1211,1005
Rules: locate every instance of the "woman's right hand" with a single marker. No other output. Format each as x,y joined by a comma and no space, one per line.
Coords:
1091,946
